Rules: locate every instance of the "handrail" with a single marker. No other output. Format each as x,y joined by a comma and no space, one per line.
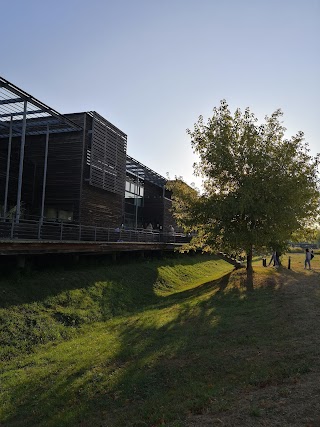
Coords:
39,230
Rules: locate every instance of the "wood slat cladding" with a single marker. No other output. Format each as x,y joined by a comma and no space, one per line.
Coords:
153,204
100,207
107,156
157,208
64,171
85,175
64,167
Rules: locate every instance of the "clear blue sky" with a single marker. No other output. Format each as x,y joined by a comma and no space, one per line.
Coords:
152,67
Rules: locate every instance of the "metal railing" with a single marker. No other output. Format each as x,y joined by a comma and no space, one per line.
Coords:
64,231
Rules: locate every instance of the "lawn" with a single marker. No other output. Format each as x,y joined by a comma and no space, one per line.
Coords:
152,343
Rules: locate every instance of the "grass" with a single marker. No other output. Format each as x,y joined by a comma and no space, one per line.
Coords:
142,344
53,305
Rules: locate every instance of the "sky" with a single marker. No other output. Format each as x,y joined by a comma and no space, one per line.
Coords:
151,67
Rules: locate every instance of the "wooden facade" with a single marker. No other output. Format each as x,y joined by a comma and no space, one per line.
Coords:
157,207
74,168
85,181
70,193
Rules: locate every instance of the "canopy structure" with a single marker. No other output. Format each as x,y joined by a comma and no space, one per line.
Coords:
24,114
143,172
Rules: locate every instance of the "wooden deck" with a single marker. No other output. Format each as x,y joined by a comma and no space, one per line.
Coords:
29,247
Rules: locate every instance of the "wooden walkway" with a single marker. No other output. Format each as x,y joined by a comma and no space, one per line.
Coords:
70,247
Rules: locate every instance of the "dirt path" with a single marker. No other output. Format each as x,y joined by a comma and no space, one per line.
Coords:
296,401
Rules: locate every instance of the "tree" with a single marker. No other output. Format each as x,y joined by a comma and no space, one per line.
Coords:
259,187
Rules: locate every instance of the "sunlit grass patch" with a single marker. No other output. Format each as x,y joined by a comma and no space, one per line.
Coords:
157,354
179,277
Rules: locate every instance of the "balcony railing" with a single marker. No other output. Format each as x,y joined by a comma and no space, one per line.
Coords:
64,231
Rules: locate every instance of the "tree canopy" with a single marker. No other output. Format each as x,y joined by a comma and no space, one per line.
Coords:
259,187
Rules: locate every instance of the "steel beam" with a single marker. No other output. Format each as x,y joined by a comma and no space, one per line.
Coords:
10,101
20,113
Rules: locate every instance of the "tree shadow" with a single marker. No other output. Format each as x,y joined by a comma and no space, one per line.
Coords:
199,343
187,347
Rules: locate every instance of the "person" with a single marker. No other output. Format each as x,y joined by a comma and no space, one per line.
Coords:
308,259
171,229
149,227
275,259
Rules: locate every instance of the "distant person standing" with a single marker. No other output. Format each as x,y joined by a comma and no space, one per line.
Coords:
274,259
308,259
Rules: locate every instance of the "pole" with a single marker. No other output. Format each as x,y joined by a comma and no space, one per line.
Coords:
44,175
136,199
5,205
23,141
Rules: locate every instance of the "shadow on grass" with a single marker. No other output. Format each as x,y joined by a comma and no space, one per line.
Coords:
34,286
177,356
45,306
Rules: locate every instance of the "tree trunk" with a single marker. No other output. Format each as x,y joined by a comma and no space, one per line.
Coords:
249,258
249,269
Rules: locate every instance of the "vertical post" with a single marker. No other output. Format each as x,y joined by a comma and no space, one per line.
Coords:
23,141
39,229
44,175
136,199
5,205
12,229
61,230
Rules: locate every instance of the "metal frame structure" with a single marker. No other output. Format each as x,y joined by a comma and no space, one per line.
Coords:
17,106
27,127
139,171
20,115
143,172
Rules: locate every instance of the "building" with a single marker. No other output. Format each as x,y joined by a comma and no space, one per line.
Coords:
147,201
72,168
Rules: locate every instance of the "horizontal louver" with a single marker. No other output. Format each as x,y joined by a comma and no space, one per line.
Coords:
108,156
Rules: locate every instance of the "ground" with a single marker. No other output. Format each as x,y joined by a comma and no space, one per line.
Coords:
294,402
181,342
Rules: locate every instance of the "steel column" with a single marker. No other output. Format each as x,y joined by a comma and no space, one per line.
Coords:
136,199
44,175
23,141
5,205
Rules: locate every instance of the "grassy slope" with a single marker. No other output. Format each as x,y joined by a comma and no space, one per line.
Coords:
86,308
140,344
